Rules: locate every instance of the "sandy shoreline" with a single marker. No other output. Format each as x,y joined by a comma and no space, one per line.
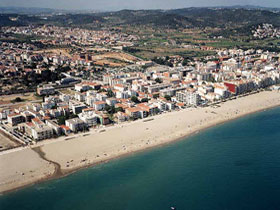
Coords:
21,167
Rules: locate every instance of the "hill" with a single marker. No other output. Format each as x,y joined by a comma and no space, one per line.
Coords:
224,18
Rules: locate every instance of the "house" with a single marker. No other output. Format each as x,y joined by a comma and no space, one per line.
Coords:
80,97
65,130
121,117
111,101
64,97
89,117
84,86
56,128
27,116
55,113
37,121
64,110
189,97
99,105
101,96
147,109
81,87
26,128
45,90
48,105
145,63
120,87
77,108
90,100
180,105
221,90
76,124
122,94
104,119
133,112
36,107
5,113
15,119
41,132
119,105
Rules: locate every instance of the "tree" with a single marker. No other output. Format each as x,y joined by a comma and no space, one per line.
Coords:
54,77
46,75
16,100
158,80
135,99
61,120
110,109
131,50
155,96
119,109
101,90
167,97
185,62
144,100
110,93
159,61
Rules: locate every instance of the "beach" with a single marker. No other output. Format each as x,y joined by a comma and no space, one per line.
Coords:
54,158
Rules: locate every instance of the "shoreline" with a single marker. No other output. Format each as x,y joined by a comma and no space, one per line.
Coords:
49,151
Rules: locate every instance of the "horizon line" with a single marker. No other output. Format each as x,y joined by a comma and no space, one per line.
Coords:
116,10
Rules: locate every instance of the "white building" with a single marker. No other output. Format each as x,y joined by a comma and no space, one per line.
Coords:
90,118
80,97
101,96
48,105
122,95
99,105
188,97
222,91
46,90
42,131
75,124
90,100
64,97
111,101
56,128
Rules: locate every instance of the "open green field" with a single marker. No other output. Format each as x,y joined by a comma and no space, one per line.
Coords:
155,43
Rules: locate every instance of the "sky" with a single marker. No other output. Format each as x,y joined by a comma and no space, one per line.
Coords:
132,4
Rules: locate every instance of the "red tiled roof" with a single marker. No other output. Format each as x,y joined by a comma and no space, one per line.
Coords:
65,127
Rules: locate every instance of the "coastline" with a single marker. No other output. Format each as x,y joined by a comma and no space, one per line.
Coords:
121,140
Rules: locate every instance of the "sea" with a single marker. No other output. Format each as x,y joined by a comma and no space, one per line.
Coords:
232,166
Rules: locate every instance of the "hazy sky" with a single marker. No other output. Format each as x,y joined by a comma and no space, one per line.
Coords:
133,4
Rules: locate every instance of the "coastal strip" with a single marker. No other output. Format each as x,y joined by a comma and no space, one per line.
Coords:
63,157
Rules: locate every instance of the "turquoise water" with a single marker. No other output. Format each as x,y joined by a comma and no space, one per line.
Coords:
232,166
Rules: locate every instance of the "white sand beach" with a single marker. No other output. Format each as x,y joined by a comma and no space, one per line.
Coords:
115,141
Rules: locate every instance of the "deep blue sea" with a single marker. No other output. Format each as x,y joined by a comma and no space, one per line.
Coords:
235,165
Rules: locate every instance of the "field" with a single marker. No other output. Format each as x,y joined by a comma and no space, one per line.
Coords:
191,42
58,51
101,57
9,101
114,59
26,97
6,142
157,43
67,91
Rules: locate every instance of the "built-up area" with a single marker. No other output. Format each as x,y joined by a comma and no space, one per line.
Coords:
79,95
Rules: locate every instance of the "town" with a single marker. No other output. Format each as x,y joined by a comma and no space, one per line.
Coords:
139,105
75,94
